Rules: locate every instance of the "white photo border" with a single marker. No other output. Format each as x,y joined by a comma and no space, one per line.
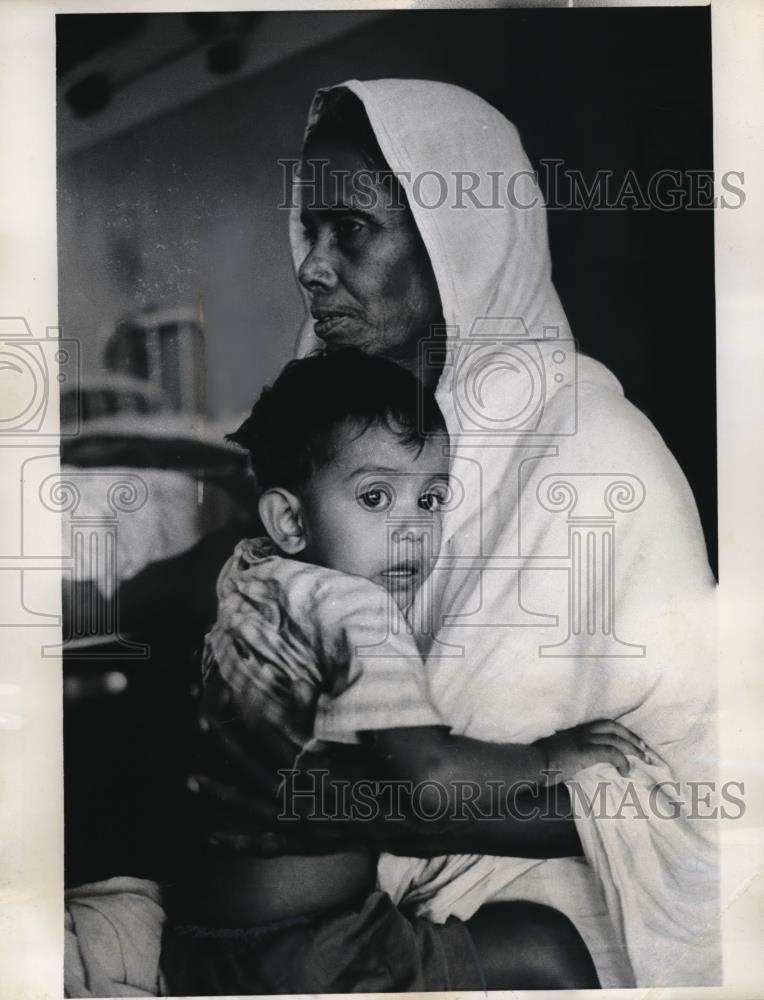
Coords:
31,767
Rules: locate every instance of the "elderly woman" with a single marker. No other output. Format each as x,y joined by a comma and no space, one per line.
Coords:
572,583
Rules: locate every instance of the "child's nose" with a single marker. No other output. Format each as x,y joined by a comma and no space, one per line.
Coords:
413,536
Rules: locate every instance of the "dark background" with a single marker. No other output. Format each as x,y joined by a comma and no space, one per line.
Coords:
181,207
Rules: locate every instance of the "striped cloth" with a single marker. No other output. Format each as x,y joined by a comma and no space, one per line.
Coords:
318,654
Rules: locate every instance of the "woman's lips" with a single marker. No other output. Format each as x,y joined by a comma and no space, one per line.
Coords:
328,324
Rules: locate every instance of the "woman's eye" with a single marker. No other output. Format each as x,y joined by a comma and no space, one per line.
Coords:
348,228
377,497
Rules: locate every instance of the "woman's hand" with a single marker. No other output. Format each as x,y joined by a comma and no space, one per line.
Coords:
603,741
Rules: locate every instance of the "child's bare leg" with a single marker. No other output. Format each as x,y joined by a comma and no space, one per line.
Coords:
529,946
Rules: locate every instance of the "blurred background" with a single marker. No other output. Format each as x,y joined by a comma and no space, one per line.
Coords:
175,277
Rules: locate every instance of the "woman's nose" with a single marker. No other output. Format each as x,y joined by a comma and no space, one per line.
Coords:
316,272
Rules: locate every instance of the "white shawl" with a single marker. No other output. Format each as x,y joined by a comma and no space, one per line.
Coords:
573,582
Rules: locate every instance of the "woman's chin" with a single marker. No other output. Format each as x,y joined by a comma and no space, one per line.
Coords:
350,333
338,341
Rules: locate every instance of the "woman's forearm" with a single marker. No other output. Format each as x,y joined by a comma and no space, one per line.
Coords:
342,795
541,827
394,816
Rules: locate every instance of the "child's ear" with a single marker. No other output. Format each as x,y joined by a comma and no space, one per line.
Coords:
281,514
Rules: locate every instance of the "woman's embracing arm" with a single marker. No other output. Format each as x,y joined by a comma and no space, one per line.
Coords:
339,796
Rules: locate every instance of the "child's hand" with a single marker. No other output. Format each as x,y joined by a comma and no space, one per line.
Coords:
571,750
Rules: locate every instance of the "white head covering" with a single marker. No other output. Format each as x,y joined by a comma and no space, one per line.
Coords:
478,208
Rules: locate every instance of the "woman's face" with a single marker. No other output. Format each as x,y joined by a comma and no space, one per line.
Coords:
367,272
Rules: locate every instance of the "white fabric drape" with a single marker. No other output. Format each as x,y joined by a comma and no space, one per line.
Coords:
573,581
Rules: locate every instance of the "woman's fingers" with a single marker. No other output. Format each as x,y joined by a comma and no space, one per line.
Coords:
613,728
605,753
624,745
617,728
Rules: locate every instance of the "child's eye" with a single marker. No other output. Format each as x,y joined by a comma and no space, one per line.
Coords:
376,497
430,502
434,499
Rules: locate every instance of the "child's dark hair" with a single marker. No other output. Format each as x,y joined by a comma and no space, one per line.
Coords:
291,430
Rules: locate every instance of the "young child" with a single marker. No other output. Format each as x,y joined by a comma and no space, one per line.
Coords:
311,648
